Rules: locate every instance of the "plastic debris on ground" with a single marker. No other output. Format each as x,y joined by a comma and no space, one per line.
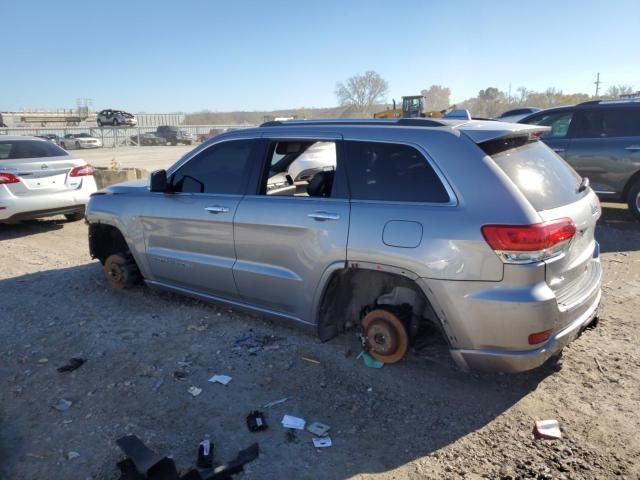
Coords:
289,421
63,405
275,402
311,360
74,364
549,429
369,361
195,391
318,429
256,421
322,442
223,379
205,453
72,455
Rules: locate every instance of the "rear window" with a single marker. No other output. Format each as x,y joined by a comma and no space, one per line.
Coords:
16,149
544,178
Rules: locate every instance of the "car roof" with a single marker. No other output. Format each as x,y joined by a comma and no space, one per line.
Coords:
13,138
477,130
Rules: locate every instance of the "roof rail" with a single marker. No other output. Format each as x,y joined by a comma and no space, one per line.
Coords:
610,101
400,122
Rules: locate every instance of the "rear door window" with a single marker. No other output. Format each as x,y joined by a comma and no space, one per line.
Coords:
545,179
558,121
610,123
391,172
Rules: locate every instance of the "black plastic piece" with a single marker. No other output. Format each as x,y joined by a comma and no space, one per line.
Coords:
256,421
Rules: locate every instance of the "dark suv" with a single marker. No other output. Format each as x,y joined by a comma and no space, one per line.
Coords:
601,140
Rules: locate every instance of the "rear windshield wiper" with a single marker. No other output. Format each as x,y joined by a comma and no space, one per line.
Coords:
584,184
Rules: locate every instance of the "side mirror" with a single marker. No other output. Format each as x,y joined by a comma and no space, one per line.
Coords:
158,181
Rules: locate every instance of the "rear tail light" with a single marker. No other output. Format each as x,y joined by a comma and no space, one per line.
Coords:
530,243
6,178
83,171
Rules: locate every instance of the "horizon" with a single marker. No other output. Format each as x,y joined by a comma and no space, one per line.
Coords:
282,57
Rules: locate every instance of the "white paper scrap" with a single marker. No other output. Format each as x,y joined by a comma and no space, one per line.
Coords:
548,429
322,442
289,421
223,379
195,391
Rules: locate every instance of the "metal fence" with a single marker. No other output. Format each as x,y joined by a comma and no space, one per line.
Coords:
113,137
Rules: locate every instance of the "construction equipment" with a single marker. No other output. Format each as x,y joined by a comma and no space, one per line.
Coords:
413,106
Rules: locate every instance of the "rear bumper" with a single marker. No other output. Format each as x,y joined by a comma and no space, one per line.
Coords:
511,362
488,323
15,208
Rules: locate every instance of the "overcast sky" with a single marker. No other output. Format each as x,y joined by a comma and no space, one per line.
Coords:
163,56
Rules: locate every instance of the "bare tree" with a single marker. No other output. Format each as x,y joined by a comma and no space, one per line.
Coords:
436,97
362,91
614,91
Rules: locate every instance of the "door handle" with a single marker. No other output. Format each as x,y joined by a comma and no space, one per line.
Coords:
217,209
558,150
633,148
322,216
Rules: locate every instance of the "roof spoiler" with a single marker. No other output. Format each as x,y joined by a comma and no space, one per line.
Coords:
480,131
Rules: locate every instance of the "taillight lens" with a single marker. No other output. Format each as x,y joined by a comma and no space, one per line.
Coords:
83,171
6,178
530,243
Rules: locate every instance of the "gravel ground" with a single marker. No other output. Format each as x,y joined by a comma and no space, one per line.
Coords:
420,418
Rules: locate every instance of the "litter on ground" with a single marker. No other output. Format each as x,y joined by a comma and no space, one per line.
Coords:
289,421
63,405
195,391
322,442
319,429
549,429
275,402
223,379
73,364
369,361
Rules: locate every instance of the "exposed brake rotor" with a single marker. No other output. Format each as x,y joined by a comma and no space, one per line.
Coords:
386,336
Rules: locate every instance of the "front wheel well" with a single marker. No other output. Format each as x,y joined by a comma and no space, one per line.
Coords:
350,291
106,240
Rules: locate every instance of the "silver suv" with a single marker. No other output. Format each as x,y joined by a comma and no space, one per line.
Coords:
475,226
601,140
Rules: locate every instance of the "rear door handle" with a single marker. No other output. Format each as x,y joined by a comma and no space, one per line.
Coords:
633,148
217,209
558,150
322,216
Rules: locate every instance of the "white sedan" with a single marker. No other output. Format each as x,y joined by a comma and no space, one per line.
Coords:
39,179
79,140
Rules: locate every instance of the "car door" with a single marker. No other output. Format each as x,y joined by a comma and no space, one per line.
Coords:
189,232
559,121
605,147
294,226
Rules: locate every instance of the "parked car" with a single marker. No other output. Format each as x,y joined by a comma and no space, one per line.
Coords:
174,135
601,140
79,140
517,114
474,226
52,137
116,118
147,139
203,137
39,179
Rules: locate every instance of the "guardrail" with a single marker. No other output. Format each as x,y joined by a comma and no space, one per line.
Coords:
113,137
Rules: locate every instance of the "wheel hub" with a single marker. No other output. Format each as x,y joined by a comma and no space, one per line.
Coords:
386,336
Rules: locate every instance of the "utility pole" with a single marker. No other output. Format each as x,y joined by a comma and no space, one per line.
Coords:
597,84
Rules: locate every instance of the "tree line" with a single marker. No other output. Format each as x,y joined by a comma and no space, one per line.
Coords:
368,90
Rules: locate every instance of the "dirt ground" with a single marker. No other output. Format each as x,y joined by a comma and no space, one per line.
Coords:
421,418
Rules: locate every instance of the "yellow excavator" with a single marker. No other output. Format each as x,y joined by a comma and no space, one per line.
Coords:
412,107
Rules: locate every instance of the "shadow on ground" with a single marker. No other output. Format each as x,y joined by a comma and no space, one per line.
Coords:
134,339
617,230
30,227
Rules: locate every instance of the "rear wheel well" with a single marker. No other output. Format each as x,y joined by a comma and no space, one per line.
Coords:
106,240
350,291
630,183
